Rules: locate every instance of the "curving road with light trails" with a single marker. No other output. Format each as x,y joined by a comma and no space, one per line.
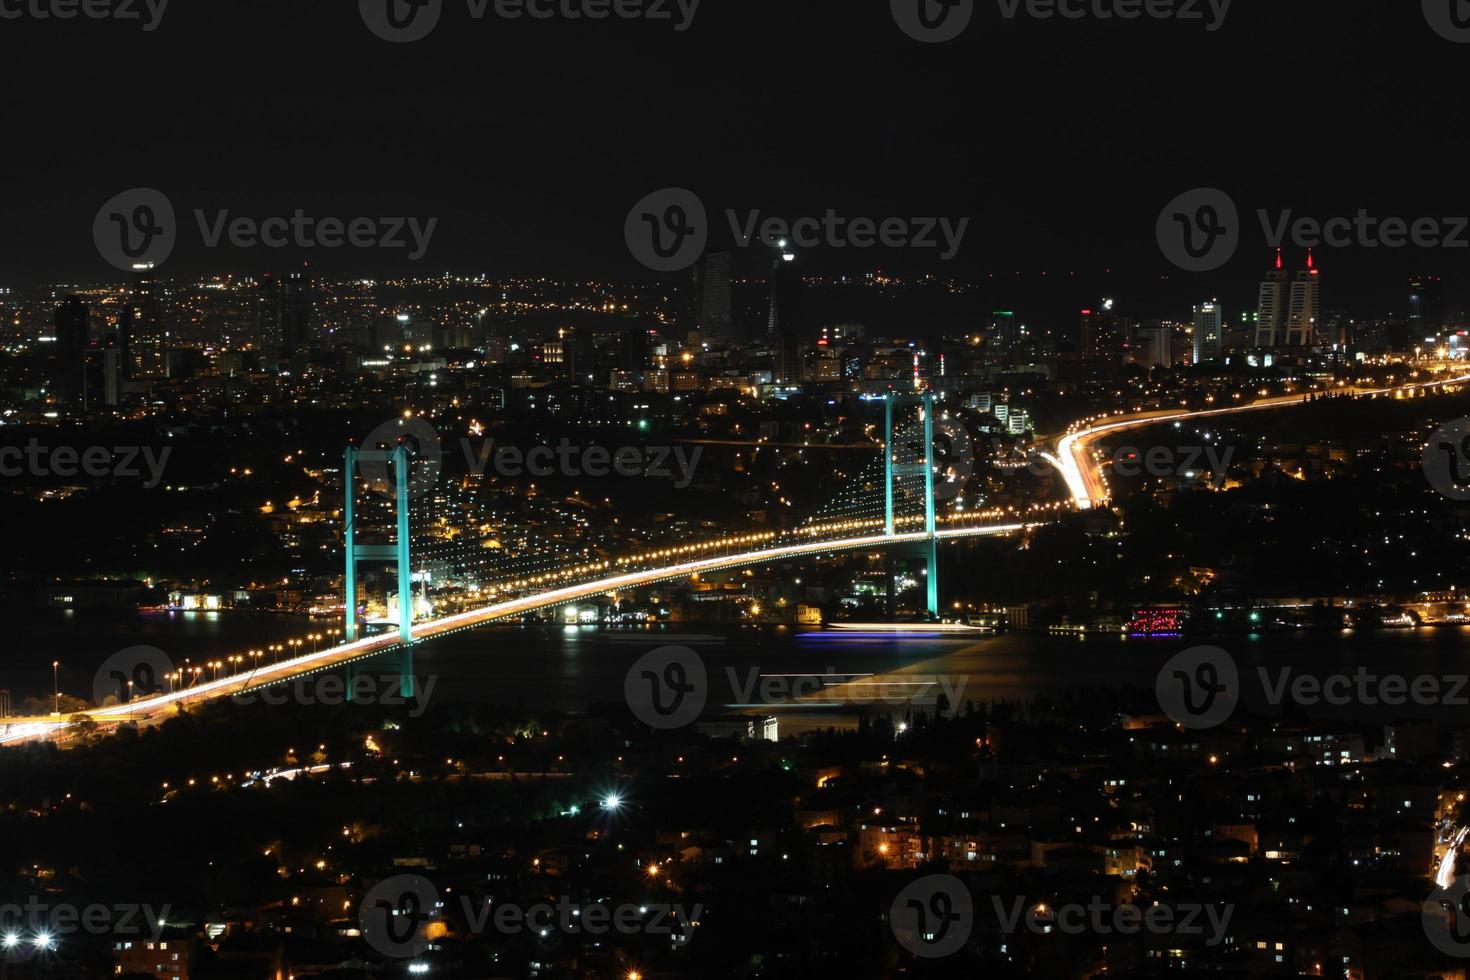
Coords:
1083,473
25,729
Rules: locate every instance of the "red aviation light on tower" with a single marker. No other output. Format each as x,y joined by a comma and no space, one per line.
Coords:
1278,258
1311,264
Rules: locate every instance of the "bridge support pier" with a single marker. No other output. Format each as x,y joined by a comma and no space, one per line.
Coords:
928,548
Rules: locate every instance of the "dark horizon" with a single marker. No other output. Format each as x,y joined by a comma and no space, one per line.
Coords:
528,141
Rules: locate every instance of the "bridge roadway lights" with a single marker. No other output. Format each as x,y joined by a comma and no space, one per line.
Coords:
396,553
929,547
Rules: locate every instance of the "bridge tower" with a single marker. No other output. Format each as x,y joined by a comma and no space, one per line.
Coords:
894,469
396,553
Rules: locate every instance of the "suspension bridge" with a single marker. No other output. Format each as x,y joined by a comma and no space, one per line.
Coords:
397,513
894,504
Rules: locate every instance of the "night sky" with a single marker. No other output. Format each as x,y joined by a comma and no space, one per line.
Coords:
530,140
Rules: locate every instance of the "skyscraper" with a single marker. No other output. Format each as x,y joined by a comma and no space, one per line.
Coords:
1271,318
1103,337
1426,307
72,335
293,317
142,327
714,314
783,324
1305,311
1003,345
1290,309
1209,332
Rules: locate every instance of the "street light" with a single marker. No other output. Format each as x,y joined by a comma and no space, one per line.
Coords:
56,687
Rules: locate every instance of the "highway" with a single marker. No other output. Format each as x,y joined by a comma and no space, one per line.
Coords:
1082,471
24,729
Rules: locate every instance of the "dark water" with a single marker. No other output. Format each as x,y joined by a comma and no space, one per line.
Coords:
568,668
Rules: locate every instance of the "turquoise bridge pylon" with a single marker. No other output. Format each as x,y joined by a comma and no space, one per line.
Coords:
396,553
895,468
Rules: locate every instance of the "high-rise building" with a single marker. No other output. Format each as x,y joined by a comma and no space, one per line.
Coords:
1155,346
72,336
1426,307
1305,310
1289,309
1209,332
293,317
142,327
1003,344
1103,337
714,317
1271,318
104,377
783,324
264,309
